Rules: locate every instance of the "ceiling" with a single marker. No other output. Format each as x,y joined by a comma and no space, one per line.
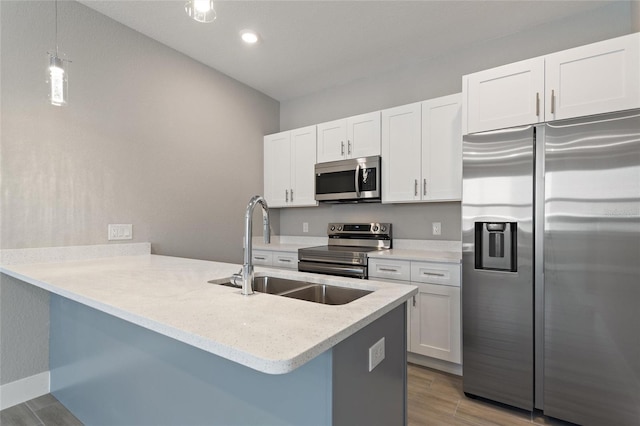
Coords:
308,46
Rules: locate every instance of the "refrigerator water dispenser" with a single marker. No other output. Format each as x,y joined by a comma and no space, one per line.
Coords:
496,245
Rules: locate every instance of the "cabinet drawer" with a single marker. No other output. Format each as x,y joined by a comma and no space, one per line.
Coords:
436,273
263,258
285,260
390,269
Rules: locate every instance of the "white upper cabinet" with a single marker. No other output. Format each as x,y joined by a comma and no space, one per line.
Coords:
442,149
422,151
507,96
352,137
289,159
593,79
401,153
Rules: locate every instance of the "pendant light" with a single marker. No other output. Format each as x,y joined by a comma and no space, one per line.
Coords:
200,10
57,74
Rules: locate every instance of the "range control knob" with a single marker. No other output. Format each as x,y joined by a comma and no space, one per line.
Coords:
333,228
339,227
375,228
383,229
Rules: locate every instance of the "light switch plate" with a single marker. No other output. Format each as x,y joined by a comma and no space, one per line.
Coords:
436,228
120,232
305,226
376,354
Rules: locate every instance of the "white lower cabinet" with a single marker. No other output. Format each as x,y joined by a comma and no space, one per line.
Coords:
276,259
435,322
434,315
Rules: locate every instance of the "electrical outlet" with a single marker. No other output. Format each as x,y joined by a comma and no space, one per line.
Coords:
120,232
305,226
376,354
436,228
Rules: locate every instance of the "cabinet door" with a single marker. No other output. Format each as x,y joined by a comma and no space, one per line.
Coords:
401,146
435,322
303,160
442,149
277,152
332,140
506,96
363,135
593,79
287,260
261,257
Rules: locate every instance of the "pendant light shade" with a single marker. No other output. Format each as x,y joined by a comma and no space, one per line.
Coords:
57,75
201,10
57,80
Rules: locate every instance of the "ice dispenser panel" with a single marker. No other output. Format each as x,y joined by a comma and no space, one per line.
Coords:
495,246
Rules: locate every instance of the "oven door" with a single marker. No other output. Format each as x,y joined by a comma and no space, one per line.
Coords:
353,271
353,180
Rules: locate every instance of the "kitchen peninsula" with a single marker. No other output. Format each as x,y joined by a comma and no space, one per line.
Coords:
146,339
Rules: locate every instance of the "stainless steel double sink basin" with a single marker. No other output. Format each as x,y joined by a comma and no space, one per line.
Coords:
302,290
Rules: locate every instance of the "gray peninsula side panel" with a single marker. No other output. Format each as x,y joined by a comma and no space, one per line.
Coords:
109,371
379,396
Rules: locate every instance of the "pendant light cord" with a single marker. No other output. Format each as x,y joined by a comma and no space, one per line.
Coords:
56,3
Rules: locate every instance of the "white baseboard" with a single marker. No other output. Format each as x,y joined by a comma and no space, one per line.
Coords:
436,364
23,390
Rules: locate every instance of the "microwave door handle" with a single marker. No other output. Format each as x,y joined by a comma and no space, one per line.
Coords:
357,180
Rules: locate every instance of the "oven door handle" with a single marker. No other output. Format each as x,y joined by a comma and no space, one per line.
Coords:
358,180
323,268
325,260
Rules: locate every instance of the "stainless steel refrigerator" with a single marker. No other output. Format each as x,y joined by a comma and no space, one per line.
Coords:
551,268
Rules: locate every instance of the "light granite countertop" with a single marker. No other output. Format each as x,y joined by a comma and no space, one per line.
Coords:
171,296
418,255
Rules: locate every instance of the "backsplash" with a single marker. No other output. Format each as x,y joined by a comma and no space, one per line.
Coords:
410,221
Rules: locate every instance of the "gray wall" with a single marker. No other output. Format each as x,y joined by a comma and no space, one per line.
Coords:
428,79
150,137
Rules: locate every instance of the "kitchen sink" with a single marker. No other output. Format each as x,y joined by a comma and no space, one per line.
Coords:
327,294
266,284
301,290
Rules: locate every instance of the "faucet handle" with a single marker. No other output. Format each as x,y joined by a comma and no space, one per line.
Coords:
236,279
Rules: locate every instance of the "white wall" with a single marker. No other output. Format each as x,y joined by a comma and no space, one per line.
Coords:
431,78
150,137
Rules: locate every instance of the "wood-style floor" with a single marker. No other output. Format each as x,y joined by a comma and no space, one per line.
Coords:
435,398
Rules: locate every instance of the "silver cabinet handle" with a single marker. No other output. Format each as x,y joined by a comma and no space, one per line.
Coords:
358,180
388,269
424,187
553,102
349,147
432,274
292,195
259,257
538,104
415,188
414,301
286,195
284,260
342,148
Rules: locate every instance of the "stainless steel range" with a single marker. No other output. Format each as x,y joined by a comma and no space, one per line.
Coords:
346,254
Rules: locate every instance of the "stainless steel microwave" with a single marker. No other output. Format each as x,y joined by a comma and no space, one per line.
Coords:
355,180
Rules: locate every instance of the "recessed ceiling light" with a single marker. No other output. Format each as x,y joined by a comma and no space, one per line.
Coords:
249,36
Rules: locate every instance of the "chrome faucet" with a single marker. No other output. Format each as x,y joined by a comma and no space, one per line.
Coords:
246,273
